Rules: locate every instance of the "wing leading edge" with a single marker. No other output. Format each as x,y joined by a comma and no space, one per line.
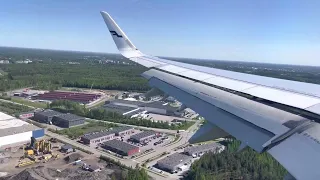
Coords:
224,95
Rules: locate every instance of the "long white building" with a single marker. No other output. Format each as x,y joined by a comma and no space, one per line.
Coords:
14,131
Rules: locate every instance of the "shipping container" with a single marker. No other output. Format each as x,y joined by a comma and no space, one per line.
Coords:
38,133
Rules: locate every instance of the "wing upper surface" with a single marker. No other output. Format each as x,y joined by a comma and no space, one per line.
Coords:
221,96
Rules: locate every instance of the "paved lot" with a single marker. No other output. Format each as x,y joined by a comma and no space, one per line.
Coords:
158,117
178,175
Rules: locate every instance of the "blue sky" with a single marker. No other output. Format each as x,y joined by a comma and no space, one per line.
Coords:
275,31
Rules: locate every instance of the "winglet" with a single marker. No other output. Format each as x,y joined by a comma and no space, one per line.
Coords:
126,48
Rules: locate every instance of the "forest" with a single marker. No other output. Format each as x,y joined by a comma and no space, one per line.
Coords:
53,75
230,164
53,69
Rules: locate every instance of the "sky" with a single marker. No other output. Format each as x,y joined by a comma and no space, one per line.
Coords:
273,31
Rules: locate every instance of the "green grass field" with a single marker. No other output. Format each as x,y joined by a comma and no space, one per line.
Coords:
29,103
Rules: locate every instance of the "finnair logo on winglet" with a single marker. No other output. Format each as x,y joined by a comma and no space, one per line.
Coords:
115,34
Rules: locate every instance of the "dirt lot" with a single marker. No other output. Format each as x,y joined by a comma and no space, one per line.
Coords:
59,163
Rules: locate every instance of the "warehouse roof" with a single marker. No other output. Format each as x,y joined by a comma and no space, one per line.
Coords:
159,105
10,125
4,116
174,160
121,129
66,147
49,112
70,117
96,135
117,108
137,103
120,145
201,148
15,126
142,135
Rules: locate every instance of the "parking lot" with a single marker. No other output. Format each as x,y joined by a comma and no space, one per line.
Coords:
151,144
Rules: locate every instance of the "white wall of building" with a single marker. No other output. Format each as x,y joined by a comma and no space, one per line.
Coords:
16,138
156,110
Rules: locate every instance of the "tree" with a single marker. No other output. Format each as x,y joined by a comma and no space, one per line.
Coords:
229,164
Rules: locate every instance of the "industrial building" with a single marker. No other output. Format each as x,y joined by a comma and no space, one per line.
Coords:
59,119
123,130
26,93
84,98
123,110
97,137
46,116
121,102
196,151
67,120
174,162
121,147
158,107
143,136
15,132
130,108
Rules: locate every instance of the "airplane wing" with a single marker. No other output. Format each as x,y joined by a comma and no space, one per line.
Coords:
271,115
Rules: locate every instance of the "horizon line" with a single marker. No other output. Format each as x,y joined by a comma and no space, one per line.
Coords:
203,59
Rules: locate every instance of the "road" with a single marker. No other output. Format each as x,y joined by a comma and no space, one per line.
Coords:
185,136
128,162
134,162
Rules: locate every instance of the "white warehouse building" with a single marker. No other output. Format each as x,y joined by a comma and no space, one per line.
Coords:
14,132
199,150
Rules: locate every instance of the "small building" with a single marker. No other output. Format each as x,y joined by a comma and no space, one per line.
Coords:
67,120
123,130
67,148
196,151
93,168
97,137
143,136
26,115
46,116
121,147
174,162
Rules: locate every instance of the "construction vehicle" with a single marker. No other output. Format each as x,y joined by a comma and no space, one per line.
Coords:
55,156
54,140
43,147
46,157
26,163
29,152
38,147
29,162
